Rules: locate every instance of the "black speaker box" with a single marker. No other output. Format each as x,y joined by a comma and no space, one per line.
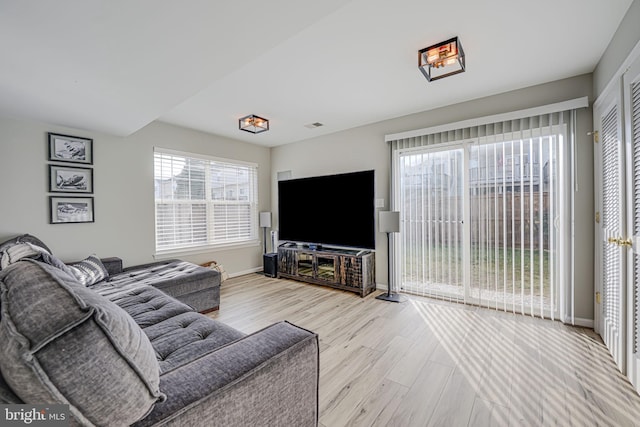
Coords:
270,263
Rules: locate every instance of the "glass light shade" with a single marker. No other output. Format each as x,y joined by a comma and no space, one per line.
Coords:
389,222
265,219
253,124
442,59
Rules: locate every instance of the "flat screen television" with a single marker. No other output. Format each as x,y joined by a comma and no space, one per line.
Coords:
332,210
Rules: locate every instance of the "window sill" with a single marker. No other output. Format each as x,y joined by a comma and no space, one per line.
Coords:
172,253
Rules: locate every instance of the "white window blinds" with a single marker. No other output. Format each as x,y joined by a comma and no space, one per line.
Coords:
203,201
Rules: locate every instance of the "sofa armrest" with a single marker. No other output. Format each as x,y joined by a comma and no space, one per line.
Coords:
266,378
112,264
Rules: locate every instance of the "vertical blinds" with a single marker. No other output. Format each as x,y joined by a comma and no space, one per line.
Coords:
431,214
502,129
514,202
481,212
203,201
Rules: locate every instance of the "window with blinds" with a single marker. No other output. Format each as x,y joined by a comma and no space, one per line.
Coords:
203,201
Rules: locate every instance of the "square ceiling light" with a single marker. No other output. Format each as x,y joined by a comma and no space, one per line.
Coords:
253,124
441,60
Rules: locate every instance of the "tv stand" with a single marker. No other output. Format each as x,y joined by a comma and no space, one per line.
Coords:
349,270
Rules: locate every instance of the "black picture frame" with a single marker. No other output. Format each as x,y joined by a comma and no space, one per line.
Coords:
71,210
70,149
67,179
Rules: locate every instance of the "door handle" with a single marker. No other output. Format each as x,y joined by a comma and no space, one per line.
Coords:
625,242
614,240
620,241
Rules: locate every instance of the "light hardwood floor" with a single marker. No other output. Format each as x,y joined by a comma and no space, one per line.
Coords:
425,362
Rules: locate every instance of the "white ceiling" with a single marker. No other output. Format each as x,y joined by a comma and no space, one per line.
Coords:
115,66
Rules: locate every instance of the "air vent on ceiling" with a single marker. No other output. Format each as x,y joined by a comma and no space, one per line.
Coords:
313,125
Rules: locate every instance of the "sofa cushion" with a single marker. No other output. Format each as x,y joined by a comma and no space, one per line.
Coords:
145,304
7,396
63,343
181,339
174,277
177,333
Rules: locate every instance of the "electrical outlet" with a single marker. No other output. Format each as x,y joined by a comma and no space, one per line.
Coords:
379,203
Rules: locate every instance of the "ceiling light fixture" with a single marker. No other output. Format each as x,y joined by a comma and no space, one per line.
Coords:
253,124
442,59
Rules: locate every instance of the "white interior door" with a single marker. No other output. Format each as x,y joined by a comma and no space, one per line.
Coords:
610,303
631,96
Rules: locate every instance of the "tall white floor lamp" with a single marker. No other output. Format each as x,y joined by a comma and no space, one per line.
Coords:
389,222
265,222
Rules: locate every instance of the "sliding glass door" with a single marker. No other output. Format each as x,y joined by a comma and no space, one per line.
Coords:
480,221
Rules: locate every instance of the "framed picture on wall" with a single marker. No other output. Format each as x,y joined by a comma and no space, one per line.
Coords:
73,149
63,179
66,210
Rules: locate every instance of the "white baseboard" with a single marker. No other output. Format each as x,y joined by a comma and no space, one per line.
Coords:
381,287
579,321
242,273
585,323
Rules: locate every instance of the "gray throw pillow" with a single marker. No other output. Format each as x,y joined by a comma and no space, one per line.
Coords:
63,343
89,271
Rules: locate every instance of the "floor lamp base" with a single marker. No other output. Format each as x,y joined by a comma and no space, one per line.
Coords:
390,297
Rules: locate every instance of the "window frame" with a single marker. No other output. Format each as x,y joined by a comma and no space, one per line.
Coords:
211,244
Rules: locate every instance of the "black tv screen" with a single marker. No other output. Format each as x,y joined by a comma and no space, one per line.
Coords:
329,210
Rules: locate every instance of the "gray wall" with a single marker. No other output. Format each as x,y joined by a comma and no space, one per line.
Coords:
364,148
624,40
124,186
123,190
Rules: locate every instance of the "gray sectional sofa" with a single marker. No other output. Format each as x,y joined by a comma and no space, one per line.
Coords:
129,354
